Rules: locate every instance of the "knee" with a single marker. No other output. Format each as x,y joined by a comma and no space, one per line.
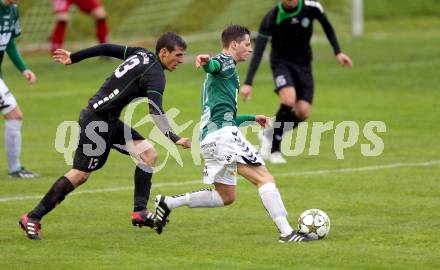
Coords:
149,157
303,112
99,13
288,101
228,200
227,197
62,17
265,179
15,114
77,177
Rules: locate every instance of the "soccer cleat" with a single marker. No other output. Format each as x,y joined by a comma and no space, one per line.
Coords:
30,227
142,218
277,158
23,173
294,237
265,145
162,213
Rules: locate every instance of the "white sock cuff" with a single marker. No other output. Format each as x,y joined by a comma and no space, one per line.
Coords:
268,187
13,123
217,198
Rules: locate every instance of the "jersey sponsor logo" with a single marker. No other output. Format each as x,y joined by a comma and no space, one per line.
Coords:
305,22
105,99
280,80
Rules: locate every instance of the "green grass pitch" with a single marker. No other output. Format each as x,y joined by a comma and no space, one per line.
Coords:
384,215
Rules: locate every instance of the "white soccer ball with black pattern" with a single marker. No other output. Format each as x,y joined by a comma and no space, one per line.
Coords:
315,223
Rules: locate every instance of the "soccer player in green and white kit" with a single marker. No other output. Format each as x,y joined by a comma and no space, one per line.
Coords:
9,30
224,148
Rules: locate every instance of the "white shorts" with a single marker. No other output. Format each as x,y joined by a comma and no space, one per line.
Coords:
221,150
7,100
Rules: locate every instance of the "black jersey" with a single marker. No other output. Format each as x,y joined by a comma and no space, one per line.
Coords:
140,75
290,32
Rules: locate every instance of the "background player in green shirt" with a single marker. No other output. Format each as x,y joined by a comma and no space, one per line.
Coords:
9,30
225,150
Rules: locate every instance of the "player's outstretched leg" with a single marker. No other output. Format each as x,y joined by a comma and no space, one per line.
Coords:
142,186
30,222
272,201
202,198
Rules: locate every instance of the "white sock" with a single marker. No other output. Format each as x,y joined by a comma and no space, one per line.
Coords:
13,143
203,198
271,198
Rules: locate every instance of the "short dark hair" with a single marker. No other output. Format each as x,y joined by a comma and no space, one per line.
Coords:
170,41
234,32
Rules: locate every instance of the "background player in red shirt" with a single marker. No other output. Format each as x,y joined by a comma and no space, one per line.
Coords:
92,7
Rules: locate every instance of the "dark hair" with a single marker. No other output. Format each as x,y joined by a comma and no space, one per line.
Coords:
234,32
170,41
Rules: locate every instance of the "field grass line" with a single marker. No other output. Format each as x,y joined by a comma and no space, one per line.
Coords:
430,163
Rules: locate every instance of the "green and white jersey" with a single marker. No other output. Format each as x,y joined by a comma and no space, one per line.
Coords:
9,25
219,97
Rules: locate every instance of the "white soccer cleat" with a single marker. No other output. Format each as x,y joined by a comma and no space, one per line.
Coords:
277,158
265,145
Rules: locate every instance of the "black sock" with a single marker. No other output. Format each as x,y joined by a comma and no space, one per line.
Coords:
283,115
54,196
142,186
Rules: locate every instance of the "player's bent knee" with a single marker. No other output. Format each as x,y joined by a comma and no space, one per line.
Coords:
15,114
288,102
77,177
99,13
228,200
62,17
149,157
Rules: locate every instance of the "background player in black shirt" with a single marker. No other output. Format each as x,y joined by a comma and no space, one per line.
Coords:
289,25
140,75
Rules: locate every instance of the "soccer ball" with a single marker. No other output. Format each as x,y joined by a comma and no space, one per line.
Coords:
315,223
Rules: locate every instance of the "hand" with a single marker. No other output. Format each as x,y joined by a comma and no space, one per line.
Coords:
344,60
184,142
262,120
30,76
246,92
202,59
62,56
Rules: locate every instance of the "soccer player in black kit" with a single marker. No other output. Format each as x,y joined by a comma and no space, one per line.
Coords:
140,75
289,25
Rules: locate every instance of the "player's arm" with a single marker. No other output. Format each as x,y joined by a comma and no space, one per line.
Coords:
331,36
116,51
209,65
264,33
247,119
15,56
160,119
111,50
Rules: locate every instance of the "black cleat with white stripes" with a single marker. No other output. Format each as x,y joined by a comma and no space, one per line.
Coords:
294,237
162,213
142,218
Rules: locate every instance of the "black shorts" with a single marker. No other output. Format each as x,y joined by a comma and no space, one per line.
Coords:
98,135
297,75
